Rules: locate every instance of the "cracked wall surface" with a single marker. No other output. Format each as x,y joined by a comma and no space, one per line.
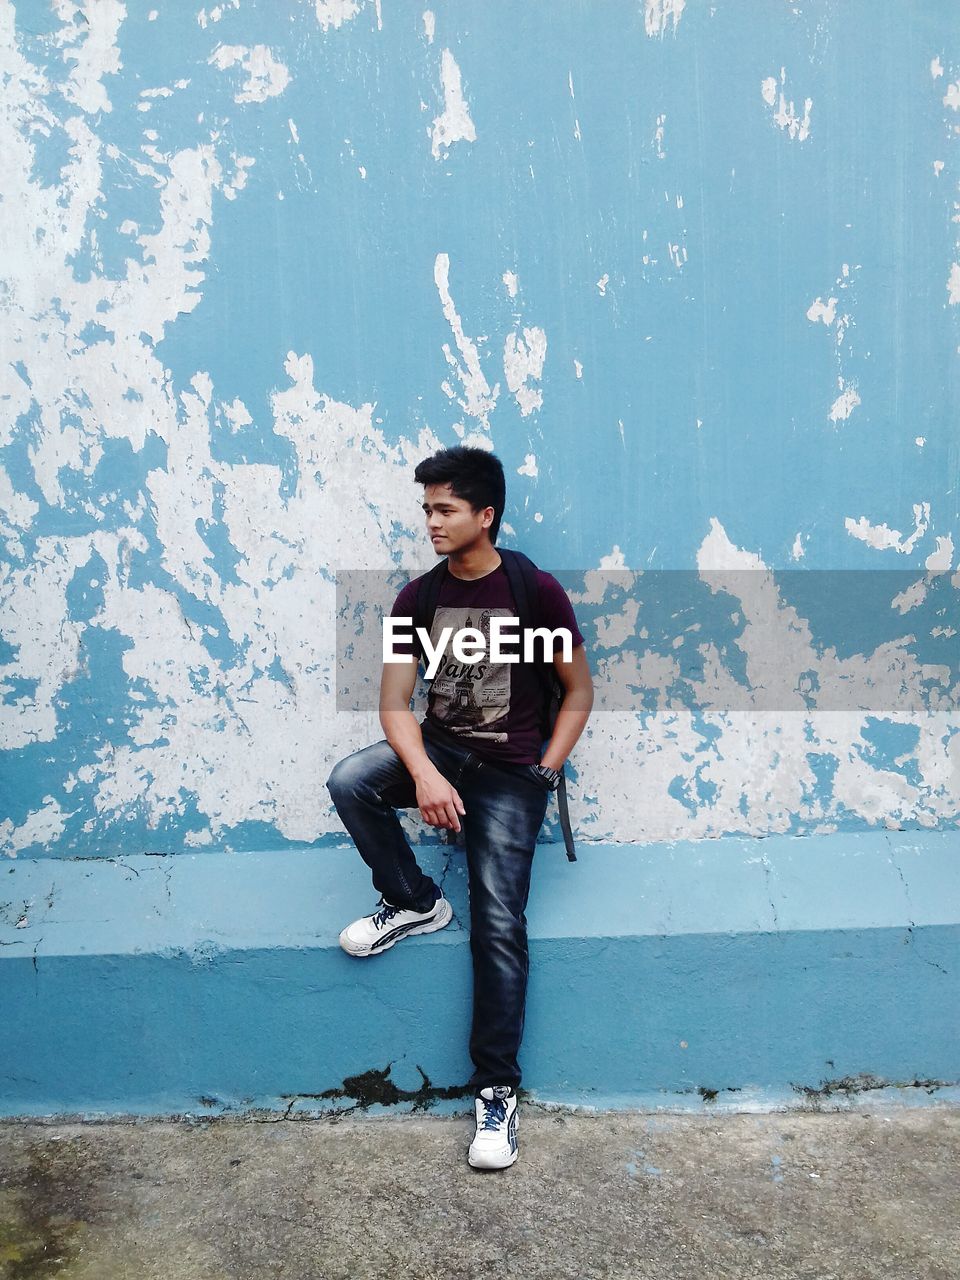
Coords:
692,271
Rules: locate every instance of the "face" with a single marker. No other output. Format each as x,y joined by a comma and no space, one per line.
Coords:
452,524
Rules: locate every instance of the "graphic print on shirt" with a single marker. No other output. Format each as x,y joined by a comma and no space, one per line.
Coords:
471,698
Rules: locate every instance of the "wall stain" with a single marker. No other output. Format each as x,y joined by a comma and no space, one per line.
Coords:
848,1086
375,1088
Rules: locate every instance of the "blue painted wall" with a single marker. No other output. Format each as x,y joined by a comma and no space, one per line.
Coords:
691,269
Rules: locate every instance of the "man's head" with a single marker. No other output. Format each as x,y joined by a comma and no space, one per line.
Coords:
464,496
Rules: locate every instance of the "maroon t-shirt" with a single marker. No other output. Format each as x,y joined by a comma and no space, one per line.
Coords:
496,709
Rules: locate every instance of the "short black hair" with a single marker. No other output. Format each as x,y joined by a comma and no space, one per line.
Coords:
474,475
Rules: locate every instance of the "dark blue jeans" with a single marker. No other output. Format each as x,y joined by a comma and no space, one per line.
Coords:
505,807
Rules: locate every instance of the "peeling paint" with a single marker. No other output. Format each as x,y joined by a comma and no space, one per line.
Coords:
177,491
785,115
334,13
454,124
882,538
478,399
820,310
267,77
658,14
523,359
845,403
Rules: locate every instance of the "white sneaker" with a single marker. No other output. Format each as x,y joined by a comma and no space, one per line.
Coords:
495,1145
372,934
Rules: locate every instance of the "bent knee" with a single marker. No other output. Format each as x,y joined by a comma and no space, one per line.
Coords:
343,778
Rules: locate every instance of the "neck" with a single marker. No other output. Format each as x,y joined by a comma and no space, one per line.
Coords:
473,562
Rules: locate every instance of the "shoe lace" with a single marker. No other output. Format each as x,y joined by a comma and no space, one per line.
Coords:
494,1113
386,912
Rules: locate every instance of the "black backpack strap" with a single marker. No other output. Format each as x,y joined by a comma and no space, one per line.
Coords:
564,813
428,593
522,575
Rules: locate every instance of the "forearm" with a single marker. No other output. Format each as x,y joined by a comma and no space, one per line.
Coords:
402,731
572,717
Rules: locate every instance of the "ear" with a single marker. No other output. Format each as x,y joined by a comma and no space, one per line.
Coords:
487,517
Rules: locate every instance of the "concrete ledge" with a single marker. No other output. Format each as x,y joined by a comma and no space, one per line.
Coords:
734,973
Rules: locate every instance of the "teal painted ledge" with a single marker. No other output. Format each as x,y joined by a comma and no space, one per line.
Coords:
733,973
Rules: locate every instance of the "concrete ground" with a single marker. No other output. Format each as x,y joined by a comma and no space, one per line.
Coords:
810,1196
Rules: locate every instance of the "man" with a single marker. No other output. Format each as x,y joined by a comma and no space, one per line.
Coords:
475,763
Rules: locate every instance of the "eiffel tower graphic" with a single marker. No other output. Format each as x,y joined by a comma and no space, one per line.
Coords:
464,708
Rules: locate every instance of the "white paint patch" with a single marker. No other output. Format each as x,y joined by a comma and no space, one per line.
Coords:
797,551
217,12
937,168
237,415
578,368
510,280
538,517
164,91
910,598
940,560
951,98
820,310
267,77
523,359
616,629
602,285
334,13
529,467
611,574
953,285
614,560
845,403
41,827
478,400
429,25
936,68
920,441
454,125
883,538
17,512
658,138
239,179
784,113
91,45
658,13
